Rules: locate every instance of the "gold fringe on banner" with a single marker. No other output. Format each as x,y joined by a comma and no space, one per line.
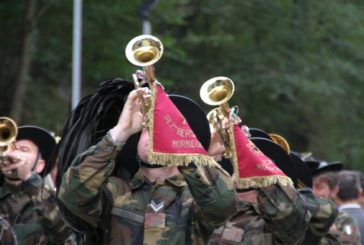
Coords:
261,181
232,145
179,159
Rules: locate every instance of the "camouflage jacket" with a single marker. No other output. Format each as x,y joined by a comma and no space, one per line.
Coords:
345,230
324,213
183,209
276,216
7,234
32,212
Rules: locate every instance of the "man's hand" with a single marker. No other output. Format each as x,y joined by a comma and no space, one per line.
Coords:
131,118
18,163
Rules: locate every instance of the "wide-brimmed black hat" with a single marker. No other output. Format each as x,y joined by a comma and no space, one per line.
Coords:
304,174
318,166
40,137
195,117
258,133
310,162
278,155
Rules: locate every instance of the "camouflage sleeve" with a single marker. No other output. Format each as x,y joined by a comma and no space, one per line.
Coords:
214,194
323,212
329,240
284,212
55,228
7,233
345,229
80,189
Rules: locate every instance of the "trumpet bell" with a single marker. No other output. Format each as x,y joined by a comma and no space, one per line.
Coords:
217,90
8,131
144,50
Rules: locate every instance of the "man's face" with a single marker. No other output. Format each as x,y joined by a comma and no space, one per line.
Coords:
322,189
143,145
28,151
28,148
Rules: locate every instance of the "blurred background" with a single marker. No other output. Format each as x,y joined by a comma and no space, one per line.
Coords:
298,65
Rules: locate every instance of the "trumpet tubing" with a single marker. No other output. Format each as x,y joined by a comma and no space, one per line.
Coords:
215,115
215,118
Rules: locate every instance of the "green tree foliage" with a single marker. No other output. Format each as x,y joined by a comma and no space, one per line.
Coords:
297,65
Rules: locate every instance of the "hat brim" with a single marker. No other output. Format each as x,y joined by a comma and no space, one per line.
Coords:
312,165
258,133
304,173
331,167
40,137
278,155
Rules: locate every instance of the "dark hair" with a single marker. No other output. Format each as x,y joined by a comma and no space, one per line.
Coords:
330,177
349,186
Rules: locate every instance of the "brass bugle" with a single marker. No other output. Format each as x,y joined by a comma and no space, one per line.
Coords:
215,118
8,131
8,134
217,91
144,51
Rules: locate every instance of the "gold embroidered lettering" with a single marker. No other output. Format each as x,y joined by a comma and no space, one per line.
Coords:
186,144
179,131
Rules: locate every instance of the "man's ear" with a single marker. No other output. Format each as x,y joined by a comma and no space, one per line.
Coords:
39,167
335,190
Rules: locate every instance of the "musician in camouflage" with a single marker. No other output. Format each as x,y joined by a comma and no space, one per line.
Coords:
25,203
323,214
323,211
271,214
160,205
325,186
276,216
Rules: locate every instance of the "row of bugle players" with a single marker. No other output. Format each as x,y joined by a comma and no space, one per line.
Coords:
136,165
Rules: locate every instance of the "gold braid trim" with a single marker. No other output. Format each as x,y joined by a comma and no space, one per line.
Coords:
234,156
150,120
262,181
180,159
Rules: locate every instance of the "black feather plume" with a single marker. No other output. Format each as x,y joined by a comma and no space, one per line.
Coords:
84,127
